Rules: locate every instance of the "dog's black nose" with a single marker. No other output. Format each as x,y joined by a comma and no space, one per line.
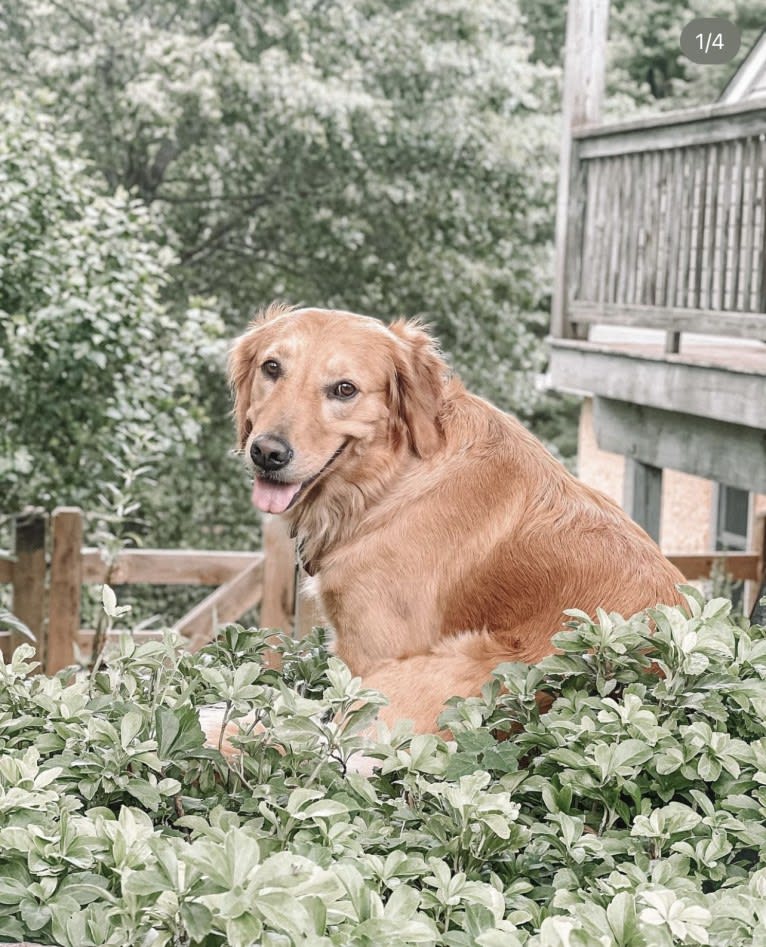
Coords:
270,452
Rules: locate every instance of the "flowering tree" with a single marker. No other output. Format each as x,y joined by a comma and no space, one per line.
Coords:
92,361
388,156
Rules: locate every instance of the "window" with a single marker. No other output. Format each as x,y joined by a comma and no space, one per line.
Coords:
732,519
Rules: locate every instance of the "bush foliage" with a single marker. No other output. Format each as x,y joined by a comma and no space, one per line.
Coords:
92,360
631,814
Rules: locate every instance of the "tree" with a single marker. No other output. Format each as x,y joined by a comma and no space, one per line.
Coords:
387,156
645,64
92,362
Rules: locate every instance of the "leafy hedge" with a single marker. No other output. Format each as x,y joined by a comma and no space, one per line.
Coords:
632,813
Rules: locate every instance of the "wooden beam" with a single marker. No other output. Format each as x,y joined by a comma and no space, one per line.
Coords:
65,589
228,603
583,85
717,450
167,566
643,495
698,126
28,596
739,565
708,390
736,325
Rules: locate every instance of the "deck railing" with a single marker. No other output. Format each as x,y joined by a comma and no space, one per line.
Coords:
667,224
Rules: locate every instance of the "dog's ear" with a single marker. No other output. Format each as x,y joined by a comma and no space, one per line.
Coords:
242,364
416,388
242,361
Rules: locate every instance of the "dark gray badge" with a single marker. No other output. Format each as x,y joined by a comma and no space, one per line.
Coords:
710,40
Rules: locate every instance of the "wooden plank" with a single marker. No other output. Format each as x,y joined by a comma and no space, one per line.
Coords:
750,176
712,226
594,193
665,213
721,239
697,160
655,233
703,225
672,119
228,603
741,325
669,250
583,91
167,566
616,215
6,568
726,453
673,130
739,565
705,389
65,589
643,495
624,232
28,594
635,210
678,232
737,210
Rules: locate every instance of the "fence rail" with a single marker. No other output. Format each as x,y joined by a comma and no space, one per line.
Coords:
49,566
667,223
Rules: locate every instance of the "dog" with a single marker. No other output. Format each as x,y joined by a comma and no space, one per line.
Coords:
442,536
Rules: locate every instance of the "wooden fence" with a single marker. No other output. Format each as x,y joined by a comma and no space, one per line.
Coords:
49,566
667,224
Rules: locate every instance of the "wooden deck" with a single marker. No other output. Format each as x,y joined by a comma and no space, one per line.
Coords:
667,225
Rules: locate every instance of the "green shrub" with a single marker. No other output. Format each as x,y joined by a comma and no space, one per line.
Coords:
632,813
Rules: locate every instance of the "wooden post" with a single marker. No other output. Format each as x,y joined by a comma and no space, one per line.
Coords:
583,92
28,595
643,495
65,589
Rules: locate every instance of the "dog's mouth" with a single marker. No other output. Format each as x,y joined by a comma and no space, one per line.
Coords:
271,495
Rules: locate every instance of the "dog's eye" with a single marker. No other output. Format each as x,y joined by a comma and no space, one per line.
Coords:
271,368
344,390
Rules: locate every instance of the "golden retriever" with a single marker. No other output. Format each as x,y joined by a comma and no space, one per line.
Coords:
443,537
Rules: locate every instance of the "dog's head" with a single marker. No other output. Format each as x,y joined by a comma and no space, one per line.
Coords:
317,390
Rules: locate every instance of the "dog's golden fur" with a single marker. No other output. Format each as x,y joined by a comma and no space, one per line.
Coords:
444,538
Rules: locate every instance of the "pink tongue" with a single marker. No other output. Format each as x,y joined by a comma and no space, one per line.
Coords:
271,497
